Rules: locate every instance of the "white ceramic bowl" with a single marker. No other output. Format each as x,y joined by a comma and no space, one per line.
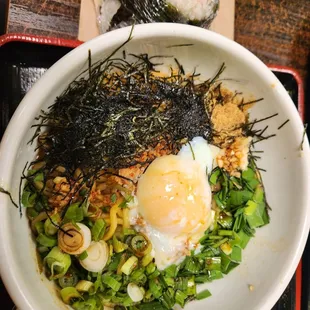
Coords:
270,259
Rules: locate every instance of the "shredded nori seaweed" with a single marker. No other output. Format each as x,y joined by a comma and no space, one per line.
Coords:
120,110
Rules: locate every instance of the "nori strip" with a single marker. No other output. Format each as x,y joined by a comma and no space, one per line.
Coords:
150,11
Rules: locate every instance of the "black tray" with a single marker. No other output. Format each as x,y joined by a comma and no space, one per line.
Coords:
24,63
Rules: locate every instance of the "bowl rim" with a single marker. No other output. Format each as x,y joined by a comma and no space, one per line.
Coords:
27,109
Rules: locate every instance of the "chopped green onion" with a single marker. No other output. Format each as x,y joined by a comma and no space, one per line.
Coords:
83,192
213,263
250,177
129,232
39,177
226,248
215,237
115,260
180,298
154,305
235,239
89,304
84,286
238,198
169,281
39,227
98,230
171,271
124,204
215,275
225,261
138,276
258,194
220,242
192,266
83,256
225,232
244,239
150,268
49,225
218,201
254,214
148,296
74,213
39,206
32,213
240,221
202,279
58,262
248,174
113,198
191,286
147,259
167,298
181,284
155,288
111,282
46,240
154,275
236,254
135,292
43,249
69,279
226,221
141,245
118,246
97,285
129,265
203,294
69,293
28,199
215,175
231,266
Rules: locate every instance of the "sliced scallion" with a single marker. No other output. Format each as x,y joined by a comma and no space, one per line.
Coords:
111,282
84,286
98,230
46,240
129,265
203,294
69,293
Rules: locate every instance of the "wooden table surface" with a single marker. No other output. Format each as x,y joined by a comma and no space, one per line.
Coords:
277,31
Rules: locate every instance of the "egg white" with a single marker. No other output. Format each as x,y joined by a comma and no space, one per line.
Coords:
200,150
171,248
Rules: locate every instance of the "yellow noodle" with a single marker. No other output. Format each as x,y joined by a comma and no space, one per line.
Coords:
113,219
118,220
126,218
120,213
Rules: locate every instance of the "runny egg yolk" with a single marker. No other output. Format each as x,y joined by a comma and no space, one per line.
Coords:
174,196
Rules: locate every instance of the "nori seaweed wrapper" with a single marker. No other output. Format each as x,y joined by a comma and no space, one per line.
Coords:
150,11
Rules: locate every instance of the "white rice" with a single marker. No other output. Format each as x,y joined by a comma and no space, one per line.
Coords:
195,9
108,9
